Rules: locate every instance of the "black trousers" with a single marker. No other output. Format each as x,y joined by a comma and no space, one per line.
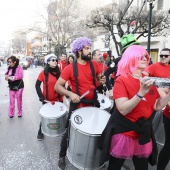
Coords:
139,163
64,140
39,130
164,155
64,144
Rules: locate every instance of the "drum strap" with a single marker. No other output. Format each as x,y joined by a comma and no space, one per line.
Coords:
46,86
75,71
46,81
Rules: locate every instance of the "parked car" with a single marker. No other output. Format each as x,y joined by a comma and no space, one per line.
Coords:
24,63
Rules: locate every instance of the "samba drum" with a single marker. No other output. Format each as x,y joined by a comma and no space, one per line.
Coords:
86,126
158,128
53,119
105,102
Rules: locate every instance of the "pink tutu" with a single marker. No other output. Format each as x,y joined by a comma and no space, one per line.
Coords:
125,147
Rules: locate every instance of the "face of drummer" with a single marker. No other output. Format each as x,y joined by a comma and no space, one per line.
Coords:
53,62
143,62
86,53
165,57
97,56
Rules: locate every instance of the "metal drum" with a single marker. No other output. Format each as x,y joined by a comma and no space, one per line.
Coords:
158,128
87,125
105,102
53,119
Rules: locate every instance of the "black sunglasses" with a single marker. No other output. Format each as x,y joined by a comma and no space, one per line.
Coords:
162,55
53,60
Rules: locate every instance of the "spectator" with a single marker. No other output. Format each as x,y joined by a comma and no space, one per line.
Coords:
14,76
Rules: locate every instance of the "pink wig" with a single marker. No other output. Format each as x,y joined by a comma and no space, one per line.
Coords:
129,61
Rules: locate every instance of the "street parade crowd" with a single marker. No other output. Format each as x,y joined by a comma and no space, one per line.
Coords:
126,127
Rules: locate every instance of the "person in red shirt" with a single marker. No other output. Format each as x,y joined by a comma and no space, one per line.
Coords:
135,100
48,77
162,69
82,50
63,62
97,56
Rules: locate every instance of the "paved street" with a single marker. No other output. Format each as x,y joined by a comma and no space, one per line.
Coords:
19,148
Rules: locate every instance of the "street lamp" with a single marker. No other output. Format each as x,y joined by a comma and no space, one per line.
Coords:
149,23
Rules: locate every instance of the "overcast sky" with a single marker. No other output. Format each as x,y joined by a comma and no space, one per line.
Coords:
19,13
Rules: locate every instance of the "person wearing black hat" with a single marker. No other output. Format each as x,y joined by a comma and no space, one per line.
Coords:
48,77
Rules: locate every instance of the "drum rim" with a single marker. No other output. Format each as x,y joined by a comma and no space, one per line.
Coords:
84,133
66,112
90,107
54,117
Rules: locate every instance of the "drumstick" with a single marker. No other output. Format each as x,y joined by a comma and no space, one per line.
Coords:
91,88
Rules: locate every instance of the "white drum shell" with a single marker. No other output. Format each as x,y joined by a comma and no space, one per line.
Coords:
83,150
53,119
158,128
106,105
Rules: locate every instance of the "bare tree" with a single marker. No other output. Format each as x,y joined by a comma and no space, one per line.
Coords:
65,23
19,42
119,20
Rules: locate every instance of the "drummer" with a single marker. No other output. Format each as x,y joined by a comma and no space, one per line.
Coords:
87,72
97,56
135,99
48,77
162,69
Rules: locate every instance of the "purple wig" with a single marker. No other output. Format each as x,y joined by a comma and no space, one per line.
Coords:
130,58
80,43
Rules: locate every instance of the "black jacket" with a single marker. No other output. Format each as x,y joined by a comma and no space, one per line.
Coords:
119,124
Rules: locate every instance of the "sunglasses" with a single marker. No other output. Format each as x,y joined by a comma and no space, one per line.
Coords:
144,56
162,55
53,60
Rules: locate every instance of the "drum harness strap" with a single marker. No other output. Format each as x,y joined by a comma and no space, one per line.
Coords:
73,106
75,71
46,81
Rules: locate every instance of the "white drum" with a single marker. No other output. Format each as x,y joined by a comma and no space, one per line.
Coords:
86,126
158,127
53,119
105,102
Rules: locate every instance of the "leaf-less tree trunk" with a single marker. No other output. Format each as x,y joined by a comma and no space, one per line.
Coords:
117,20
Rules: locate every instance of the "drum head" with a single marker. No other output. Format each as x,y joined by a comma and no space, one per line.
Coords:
90,120
53,111
104,101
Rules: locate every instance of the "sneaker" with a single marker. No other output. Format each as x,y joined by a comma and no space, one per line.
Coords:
40,136
61,163
11,116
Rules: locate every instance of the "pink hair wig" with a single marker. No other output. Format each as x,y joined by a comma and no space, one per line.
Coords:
130,58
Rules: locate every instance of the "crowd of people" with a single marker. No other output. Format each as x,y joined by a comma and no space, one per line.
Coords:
128,133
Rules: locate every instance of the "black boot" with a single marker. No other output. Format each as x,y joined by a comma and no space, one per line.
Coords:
61,163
